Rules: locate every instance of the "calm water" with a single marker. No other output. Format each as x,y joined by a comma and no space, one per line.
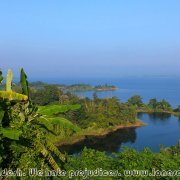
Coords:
147,87
161,129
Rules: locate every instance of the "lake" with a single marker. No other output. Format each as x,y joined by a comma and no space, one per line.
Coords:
161,129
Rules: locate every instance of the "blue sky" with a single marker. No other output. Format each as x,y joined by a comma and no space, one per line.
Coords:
90,38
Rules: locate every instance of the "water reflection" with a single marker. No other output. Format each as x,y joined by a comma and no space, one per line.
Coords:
109,143
155,118
179,120
159,116
162,128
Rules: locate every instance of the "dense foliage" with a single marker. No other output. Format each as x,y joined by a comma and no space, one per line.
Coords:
53,118
106,112
152,106
23,140
135,101
92,112
128,159
45,95
159,105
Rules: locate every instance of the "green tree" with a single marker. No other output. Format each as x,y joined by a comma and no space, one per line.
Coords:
135,101
164,105
48,94
153,103
106,112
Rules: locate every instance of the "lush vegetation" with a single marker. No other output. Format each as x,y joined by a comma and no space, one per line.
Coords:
96,112
152,106
128,159
25,129
106,113
23,134
28,133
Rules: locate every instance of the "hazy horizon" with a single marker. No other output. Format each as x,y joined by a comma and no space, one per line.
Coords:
90,39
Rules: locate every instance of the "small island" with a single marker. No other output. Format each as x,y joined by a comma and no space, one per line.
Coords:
87,87
105,88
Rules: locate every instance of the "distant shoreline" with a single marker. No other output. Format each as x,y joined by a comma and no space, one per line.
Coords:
107,89
81,87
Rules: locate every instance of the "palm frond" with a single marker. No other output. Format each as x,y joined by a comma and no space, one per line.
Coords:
56,151
49,158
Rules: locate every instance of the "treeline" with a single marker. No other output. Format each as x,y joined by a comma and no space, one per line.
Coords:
152,106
